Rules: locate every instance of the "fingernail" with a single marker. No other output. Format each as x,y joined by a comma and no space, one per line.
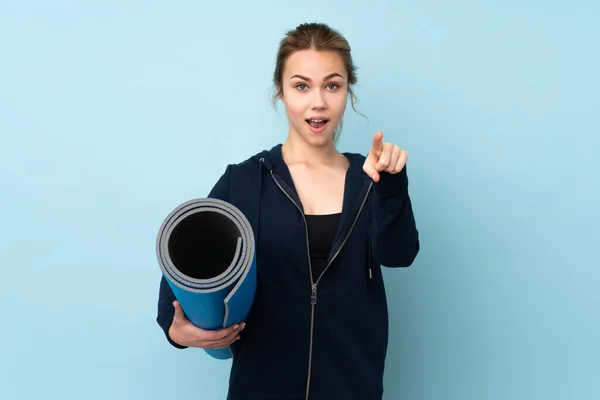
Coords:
243,325
236,326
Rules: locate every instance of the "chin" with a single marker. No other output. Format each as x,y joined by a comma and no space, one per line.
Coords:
320,138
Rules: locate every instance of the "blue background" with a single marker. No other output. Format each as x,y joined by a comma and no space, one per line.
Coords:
112,114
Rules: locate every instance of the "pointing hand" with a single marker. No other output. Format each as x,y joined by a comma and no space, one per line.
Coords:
384,157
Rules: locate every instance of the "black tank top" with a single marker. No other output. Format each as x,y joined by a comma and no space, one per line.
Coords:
321,233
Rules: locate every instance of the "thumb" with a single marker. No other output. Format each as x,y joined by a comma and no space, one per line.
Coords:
178,311
371,171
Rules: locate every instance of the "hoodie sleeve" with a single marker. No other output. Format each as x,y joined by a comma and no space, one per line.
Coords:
394,236
166,311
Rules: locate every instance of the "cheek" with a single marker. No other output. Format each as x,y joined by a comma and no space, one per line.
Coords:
295,106
293,111
337,104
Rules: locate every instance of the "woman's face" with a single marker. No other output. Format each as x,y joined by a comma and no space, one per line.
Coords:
314,91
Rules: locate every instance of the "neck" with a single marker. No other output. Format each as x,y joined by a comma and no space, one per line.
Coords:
297,150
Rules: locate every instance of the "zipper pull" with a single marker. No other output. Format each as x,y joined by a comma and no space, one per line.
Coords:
313,295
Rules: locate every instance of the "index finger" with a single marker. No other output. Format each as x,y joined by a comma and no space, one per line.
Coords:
377,145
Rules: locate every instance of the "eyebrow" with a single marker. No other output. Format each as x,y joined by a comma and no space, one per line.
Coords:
308,79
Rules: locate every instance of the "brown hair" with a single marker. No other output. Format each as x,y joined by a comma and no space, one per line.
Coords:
320,37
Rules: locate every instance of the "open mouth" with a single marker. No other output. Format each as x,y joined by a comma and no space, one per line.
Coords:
317,123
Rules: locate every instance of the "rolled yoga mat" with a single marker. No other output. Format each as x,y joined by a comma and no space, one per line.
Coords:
206,251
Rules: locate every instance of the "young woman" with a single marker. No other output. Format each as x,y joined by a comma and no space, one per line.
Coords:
325,223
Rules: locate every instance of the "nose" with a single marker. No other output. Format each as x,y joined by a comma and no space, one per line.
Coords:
318,100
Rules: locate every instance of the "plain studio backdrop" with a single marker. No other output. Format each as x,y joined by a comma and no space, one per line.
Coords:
112,114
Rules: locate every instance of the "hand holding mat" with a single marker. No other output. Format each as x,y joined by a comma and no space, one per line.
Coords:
206,251
183,332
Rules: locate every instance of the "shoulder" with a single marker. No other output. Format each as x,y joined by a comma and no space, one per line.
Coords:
250,163
238,179
251,166
357,162
269,158
355,157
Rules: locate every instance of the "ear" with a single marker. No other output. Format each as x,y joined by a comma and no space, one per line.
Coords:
280,92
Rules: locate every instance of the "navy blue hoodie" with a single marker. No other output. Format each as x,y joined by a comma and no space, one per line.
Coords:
314,337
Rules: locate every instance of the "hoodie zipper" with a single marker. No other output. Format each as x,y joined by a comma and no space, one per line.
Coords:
313,294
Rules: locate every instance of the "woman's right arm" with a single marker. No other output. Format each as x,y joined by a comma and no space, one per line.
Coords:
179,331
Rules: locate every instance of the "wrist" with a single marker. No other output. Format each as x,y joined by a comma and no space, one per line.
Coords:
174,336
392,184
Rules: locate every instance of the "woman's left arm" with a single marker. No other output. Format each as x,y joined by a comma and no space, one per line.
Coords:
394,235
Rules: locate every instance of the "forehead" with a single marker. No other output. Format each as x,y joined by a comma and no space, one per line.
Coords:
314,64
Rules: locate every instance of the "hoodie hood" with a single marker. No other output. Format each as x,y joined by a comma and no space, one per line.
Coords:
272,160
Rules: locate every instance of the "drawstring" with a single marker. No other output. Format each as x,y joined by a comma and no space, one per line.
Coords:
369,235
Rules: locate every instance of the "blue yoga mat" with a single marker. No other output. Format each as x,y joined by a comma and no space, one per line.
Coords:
206,251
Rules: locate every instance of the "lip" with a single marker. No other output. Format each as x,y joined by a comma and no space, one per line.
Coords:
321,129
318,117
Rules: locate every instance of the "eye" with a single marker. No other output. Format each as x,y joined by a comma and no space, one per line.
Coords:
332,86
302,86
